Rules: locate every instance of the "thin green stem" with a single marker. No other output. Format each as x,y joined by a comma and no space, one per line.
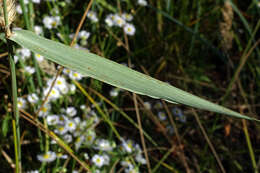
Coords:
31,27
196,29
242,62
249,145
31,14
15,121
163,159
105,117
15,108
46,136
15,146
25,15
5,14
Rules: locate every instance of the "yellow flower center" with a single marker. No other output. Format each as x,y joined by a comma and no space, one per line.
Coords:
44,109
20,103
98,160
46,156
53,92
119,21
54,24
70,124
130,145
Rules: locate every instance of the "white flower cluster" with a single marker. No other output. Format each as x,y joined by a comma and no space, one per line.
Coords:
71,128
76,127
129,146
122,22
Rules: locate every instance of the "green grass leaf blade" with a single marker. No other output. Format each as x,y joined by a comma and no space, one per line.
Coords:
113,73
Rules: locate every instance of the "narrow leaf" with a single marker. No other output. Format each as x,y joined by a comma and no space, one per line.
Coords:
113,73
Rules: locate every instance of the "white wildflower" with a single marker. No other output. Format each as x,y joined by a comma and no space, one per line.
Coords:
71,111
64,90
92,15
162,116
71,125
38,30
38,57
63,120
30,70
119,21
66,71
45,110
129,29
139,158
19,9
142,2
75,75
127,17
47,157
54,94
36,1
83,107
21,103
51,22
23,53
103,145
109,20
98,160
67,138
52,119
61,83
83,35
127,146
72,88
90,137
61,130
114,92
33,98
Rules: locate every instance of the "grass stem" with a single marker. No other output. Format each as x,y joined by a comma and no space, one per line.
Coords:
249,145
15,120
